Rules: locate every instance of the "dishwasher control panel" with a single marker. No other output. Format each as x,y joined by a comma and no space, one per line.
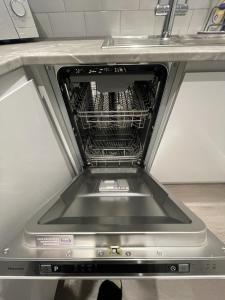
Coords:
101,268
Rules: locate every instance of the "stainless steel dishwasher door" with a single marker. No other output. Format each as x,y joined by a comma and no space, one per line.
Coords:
143,216
86,233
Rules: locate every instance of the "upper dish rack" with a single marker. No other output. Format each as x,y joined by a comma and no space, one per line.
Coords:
111,109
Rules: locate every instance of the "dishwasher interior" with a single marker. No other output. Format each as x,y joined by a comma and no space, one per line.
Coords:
114,219
113,110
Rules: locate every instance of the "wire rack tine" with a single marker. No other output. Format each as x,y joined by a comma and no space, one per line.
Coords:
94,110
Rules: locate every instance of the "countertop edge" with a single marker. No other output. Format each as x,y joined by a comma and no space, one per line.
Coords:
13,56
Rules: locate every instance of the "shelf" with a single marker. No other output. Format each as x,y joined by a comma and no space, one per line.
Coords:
112,110
113,146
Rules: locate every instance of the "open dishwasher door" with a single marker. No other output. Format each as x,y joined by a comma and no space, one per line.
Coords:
114,223
114,220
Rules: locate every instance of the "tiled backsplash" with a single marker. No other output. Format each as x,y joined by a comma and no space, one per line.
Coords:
79,18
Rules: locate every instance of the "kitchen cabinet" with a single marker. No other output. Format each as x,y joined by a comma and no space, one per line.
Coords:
32,169
192,148
32,165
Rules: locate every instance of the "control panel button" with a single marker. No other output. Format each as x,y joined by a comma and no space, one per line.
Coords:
55,268
172,268
86,268
184,268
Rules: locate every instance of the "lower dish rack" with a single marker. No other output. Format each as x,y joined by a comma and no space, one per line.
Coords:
113,147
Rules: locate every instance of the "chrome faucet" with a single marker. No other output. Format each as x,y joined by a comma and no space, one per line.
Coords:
169,20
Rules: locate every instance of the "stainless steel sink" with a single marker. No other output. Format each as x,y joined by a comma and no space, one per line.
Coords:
202,39
138,42
157,41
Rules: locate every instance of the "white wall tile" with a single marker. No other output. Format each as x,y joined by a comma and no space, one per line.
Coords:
83,5
194,4
70,24
103,17
198,20
158,24
181,23
148,4
137,22
102,23
43,24
214,3
120,4
46,5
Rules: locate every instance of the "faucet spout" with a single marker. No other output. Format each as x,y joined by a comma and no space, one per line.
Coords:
169,20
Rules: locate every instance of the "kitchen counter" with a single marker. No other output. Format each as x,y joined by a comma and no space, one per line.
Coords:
89,51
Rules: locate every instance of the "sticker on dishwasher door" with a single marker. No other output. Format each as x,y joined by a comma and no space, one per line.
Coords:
47,241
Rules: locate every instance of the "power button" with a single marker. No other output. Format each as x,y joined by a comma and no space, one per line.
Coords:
172,268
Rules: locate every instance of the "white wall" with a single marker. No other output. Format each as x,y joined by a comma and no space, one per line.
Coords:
78,18
193,145
32,169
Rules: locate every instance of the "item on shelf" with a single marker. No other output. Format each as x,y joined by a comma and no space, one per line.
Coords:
215,21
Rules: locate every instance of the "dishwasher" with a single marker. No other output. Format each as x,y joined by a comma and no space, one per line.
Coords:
114,219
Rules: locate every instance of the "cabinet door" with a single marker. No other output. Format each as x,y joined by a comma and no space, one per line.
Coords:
32,163
193,145
7,30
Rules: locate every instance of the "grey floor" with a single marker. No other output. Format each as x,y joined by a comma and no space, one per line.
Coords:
198,289
208,202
